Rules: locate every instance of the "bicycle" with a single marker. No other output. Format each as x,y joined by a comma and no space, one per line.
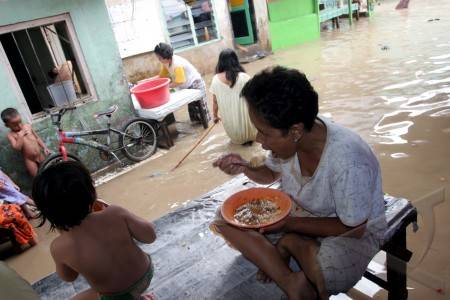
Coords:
137,140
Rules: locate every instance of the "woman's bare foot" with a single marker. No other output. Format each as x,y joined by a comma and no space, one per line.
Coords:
30,212
262,277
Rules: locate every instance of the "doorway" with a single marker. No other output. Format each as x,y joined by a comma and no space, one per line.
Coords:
243,21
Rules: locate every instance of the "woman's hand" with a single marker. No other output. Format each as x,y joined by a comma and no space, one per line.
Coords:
216,119
231,164
277,227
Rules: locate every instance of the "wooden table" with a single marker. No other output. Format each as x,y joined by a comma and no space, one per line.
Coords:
159,115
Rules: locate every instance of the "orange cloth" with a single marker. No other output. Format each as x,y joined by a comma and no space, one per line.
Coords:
13,219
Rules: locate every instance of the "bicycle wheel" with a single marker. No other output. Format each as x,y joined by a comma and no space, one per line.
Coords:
139,140
56,158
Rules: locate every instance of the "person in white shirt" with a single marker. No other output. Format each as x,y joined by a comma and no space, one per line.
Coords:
183,75
226,89
333,179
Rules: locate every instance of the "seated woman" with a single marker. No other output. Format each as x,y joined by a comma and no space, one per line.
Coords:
13,221
226,88
184,76
333,178
10,193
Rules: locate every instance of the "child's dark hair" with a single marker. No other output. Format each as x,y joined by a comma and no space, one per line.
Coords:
283,97
229,63
8,114
164,50
64,193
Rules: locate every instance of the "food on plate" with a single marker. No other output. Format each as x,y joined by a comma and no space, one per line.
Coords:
257,212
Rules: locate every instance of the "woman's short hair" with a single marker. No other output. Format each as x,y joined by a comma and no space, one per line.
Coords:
64,193
164,50
283,97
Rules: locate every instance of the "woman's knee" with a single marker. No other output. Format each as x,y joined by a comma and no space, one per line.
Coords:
287,242
294,242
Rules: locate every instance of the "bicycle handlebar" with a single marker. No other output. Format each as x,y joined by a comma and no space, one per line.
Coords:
61,111
56,116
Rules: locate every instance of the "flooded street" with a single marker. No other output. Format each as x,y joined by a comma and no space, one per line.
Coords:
387,77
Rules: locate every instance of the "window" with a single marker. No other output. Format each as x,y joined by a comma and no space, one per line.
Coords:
189,23
43,56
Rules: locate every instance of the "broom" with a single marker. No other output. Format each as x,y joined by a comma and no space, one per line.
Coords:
195,146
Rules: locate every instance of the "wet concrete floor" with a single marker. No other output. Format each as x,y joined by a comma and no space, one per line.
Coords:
387,77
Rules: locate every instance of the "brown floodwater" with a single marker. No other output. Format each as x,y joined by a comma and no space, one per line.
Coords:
387,77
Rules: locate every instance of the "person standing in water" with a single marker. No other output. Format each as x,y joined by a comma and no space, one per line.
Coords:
226,87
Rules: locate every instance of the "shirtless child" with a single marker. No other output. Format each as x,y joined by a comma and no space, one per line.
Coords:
98,245
23,138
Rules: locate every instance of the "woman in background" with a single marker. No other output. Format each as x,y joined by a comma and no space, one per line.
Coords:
183,75
226,88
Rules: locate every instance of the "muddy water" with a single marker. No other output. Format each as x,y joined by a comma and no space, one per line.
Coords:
387,77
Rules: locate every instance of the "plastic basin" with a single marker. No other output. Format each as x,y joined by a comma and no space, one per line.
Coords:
235,201
62,93
152,93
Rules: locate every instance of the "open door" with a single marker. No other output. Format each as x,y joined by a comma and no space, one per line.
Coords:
242,22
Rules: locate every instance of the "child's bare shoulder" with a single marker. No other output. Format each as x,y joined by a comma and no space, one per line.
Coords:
115,210
61,246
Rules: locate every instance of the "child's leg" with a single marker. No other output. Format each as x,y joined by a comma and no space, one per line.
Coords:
88,294
32,167
305,253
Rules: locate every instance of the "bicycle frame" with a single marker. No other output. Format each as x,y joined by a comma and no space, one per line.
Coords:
75,137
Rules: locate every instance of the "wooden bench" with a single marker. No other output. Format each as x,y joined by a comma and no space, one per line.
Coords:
399,214
193,263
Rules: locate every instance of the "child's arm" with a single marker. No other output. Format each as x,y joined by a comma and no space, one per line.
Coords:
16,143
41,143
65,272
10,180
140,229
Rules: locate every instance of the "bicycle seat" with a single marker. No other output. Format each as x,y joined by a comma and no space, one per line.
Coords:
109,112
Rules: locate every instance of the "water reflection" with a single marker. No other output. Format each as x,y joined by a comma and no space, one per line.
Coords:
391,133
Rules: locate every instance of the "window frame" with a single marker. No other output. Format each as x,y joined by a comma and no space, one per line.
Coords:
192,27
77,51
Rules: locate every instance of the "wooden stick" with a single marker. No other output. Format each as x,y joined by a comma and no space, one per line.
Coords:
195,145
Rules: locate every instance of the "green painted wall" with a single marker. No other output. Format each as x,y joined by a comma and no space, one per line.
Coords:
99,49
293,22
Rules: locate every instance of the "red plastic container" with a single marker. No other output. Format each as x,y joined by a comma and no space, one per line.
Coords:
152,93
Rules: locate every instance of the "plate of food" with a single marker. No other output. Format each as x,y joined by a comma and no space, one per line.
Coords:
256,207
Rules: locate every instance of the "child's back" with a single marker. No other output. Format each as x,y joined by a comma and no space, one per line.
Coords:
101,247
103,251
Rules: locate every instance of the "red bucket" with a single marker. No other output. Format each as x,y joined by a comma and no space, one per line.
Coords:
152,93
